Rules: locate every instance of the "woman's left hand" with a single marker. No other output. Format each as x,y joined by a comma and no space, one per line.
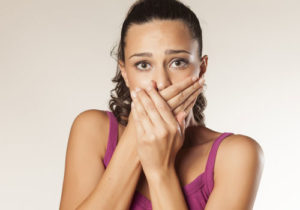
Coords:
159,135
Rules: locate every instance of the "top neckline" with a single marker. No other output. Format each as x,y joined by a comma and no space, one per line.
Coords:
196,183
189,188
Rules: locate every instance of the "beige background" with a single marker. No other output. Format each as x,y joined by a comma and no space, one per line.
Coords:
55,63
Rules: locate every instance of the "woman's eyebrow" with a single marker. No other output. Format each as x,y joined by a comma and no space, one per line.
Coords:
167,52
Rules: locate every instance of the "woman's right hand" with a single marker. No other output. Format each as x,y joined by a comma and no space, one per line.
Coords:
180,96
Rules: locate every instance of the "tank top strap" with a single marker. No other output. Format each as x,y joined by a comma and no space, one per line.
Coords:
209,170
112,137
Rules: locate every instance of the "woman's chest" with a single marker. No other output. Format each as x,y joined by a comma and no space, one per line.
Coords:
190,163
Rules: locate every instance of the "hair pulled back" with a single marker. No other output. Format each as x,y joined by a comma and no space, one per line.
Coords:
143,11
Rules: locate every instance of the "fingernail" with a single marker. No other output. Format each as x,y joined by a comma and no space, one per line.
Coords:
137,89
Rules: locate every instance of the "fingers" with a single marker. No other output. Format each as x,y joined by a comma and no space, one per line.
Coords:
190,106
185,94
173,99
150,108
161,105
137,123
185,105
175,89
181,119
140,113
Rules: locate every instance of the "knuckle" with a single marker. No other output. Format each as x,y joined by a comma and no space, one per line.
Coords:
171,104
180,99
143,115
149,105
181,96
196,85
187,102
176,111
151,137
161,107
173,129
176,89
163,134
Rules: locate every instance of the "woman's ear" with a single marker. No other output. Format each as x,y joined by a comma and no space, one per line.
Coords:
203,65
123,72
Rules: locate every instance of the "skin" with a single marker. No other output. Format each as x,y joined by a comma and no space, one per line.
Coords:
88,141
168,159
163,69
88,185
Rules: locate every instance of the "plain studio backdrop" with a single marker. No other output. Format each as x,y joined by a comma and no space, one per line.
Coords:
55,63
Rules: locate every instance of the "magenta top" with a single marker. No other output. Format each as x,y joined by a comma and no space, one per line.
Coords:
196,193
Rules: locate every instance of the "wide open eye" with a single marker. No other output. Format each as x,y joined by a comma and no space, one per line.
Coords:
141,65
180,63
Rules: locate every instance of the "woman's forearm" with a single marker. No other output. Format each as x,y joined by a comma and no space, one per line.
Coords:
118,183
166,192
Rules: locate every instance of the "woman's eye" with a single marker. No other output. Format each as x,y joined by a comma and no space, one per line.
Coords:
180,61
142,65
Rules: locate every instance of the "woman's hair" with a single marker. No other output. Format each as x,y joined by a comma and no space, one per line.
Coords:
143,11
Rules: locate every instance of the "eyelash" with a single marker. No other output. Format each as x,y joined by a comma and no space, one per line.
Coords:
144,61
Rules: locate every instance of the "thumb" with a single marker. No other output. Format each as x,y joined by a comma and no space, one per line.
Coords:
181,120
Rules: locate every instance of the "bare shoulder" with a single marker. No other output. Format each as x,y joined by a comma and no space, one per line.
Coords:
240,147
83,167
92,126
238,169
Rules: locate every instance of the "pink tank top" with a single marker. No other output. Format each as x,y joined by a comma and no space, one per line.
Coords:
196,193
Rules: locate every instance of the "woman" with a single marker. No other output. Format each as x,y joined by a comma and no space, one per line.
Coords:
153,150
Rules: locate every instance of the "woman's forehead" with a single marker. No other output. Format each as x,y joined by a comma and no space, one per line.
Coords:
158,29
159,34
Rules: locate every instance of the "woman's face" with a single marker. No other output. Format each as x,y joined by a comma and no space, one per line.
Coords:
160,50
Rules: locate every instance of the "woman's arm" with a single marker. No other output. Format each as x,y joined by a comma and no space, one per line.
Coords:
87,185
238,169
166,192
161,136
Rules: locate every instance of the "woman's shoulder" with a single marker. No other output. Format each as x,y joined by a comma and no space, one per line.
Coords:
234,149
239,145
93,127
234,141
239,154
238,167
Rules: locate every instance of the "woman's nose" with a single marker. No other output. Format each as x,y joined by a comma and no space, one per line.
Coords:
162,79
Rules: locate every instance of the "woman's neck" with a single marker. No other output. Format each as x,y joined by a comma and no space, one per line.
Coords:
190,131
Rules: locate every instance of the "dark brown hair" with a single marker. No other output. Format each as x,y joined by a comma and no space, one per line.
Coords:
140,12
